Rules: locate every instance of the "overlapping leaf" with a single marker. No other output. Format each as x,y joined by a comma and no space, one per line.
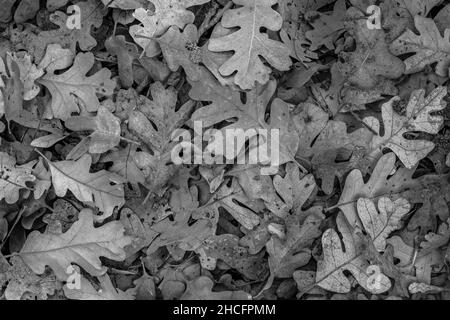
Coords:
82,244
419,117
75,83
249,44
428,47
102,188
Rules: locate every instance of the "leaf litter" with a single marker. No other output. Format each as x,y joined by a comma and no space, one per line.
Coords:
95,100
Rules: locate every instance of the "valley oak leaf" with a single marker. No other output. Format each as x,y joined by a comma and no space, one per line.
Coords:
103,189
82,244
74,83
249,43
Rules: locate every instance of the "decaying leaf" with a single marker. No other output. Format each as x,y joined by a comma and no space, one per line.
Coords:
201,289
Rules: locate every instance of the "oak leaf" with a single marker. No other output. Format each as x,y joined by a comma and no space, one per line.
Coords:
421,266
21,280
180,49
82,244
13,178
124,4
102,189
74,83
346,254
29,73
155,123
126,163
249,43
248,118
327,28
91,16
372,61
418,117
379,225
226,247
56,58
201,289
87,291
106,127
428,47
126,52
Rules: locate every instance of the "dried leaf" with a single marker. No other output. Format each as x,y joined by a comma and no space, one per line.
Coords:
125,52
103,189
82,244
429,47
74,83
88,292
418,118
167,13
106,129
380,224
345,254
372,61
13,177
21,280
249,43
201,289
327,28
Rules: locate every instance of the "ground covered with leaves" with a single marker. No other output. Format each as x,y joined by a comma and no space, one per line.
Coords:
94,96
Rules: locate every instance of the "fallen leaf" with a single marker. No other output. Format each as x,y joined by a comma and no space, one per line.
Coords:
249,43
380,224
103,189
82,244
167,13
201,289
340,255
13,177
88,292
417,118
106,127
74,82
428,47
